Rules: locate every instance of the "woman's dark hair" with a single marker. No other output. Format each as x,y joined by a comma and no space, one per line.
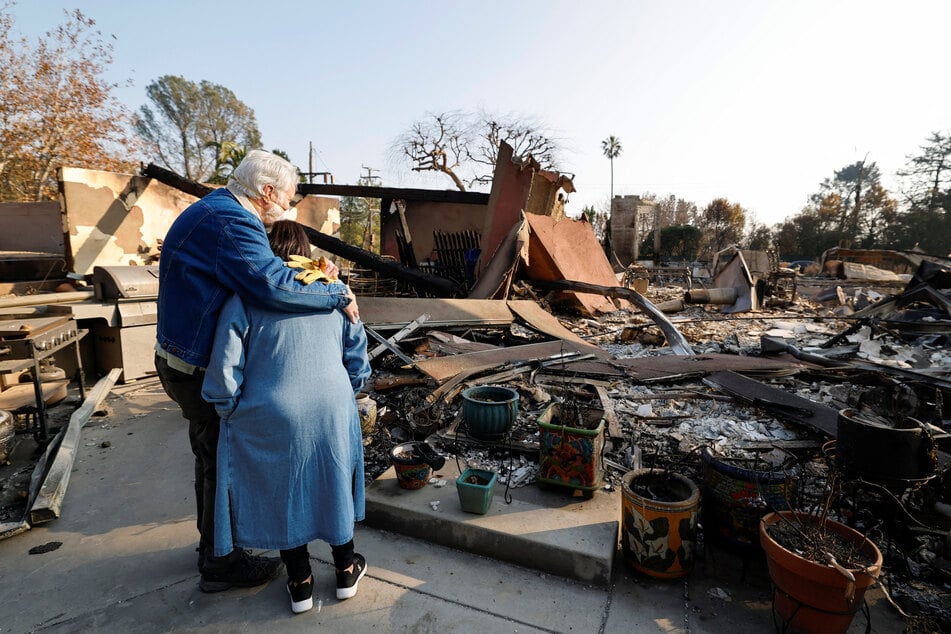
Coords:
289,238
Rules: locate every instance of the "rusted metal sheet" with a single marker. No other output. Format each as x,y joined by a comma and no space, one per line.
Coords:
545,322
511,185
388,313
569,250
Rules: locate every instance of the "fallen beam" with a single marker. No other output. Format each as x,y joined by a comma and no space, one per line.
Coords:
423,282
49,499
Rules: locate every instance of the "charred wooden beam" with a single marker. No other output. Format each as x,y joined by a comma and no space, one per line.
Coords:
172,179
395,193
419,280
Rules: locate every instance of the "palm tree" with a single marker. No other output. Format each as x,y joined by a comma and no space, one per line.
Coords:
611,147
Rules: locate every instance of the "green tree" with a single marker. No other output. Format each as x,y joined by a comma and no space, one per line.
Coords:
927,175
852,208
56,108
189,127
360,219
677,242
760,238
723,223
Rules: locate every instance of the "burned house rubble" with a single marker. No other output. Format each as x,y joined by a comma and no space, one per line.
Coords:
836,385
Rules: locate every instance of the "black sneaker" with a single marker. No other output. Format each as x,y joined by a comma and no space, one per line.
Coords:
245,571
347,581
302,595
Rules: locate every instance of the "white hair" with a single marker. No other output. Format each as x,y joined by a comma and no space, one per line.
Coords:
260,168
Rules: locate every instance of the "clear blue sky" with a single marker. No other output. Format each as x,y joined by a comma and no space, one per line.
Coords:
757,101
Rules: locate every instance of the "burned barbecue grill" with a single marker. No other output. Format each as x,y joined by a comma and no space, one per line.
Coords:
26,344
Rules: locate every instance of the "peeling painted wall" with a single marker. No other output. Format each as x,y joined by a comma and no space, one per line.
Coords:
115,219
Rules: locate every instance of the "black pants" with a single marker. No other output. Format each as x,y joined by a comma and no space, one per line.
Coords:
203,426
297,560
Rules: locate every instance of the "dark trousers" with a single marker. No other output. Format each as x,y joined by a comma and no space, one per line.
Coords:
203,426
297,560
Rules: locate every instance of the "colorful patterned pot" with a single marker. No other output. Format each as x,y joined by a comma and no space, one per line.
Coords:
412,470
659,535
570,455
735,498
366,408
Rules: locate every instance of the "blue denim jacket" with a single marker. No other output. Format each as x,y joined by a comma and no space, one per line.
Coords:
216,248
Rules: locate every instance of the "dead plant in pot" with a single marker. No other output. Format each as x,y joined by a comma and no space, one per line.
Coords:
820,567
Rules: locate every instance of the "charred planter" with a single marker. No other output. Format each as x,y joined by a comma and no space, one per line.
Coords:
889,455
735,497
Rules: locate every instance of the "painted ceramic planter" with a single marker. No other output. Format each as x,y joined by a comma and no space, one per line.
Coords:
735,498
475,488
412,470
811,596
366,408
659,531
570,454
489,411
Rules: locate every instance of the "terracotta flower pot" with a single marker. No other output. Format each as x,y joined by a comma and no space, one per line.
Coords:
811,596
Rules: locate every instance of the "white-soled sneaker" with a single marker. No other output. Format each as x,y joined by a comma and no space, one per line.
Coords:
302,595
347,581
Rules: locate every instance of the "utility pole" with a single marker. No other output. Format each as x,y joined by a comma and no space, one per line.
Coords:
370,177
368,229
310,173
